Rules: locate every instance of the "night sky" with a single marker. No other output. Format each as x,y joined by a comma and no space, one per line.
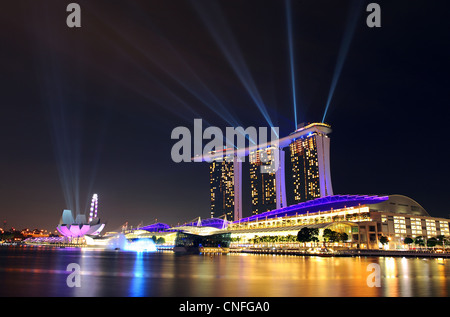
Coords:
91,109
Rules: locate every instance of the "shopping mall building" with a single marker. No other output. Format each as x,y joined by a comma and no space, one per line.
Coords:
365,219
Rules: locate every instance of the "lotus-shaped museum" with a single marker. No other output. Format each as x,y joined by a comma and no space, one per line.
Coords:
75,227
78,226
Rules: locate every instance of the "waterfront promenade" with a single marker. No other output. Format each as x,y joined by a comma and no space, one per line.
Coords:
417,253
348,253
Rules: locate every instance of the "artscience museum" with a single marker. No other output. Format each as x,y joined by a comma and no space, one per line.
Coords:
76,227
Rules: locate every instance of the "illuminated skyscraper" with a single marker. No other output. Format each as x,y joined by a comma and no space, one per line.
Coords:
225,187
267,179
310,163
307,173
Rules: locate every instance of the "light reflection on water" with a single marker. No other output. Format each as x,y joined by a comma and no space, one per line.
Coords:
42,272
137,288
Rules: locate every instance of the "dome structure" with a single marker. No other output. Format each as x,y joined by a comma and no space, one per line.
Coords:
400,204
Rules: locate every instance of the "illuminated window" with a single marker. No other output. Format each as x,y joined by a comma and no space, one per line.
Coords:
444,228
416,227
399,225
431,227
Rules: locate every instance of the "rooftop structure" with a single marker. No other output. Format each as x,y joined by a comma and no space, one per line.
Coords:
400,204
218,223
309,172
303,131
156,227
317,205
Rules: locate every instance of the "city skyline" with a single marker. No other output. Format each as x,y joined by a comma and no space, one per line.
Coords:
92,109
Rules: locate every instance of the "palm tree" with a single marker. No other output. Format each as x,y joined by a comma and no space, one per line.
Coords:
291,238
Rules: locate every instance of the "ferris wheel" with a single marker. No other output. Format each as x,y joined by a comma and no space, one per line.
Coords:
94,207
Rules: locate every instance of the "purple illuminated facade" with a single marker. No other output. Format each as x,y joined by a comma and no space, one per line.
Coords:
79,230
156,227
324,204
320,204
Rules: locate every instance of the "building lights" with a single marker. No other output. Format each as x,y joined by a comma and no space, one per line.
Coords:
222,187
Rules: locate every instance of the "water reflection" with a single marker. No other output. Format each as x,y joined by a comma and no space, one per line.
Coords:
405,280
137,287
117,273
414,277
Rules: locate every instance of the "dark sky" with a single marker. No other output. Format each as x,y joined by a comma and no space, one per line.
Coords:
92,109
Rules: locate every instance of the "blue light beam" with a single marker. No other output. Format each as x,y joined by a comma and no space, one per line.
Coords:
202,94
354,14
221,34
291,57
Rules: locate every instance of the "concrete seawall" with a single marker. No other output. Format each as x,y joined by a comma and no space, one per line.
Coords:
349,253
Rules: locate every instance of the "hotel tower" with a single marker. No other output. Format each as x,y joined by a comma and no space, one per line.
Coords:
267,180
310,163
225,179
306,175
